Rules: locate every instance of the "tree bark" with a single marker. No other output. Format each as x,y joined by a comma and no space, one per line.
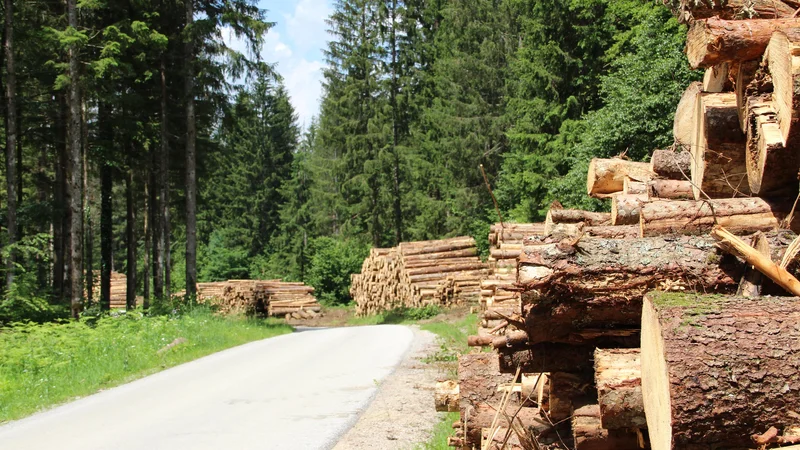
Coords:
623,269
60,219
613,232
711,375
546,357
633,187
739,215
670,189
625,208
191,156
607,176
11,140
483,416
568,390
478,379
718,153
618,377
713,41
676,165
164,241
588,434
683,125
130,242
148,232
745,75
557,216
74,170
688,11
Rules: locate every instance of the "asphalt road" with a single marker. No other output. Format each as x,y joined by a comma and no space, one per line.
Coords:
296,391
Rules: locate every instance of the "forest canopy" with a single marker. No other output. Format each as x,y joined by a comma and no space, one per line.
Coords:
137,141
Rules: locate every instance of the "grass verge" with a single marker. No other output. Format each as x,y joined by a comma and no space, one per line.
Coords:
442,431
44,365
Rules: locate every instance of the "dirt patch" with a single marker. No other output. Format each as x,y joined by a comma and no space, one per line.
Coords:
402,414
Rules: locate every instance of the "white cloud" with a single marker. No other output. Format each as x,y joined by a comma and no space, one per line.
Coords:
304,83
306,26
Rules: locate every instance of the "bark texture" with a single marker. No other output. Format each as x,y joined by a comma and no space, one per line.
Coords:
670,189
675,165
717,369
689,10
588,434
618,376
625,208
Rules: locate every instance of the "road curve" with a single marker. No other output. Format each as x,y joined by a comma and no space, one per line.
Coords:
296,391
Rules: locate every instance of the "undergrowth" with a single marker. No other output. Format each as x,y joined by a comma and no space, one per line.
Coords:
442,430
398,316
42,365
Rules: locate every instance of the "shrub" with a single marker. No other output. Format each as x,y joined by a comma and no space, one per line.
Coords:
333,262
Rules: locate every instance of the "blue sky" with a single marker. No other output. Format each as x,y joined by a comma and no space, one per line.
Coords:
295,45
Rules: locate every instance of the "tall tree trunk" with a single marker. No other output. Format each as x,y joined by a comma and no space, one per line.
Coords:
74,172
106,206
60,212
148,205
130,242
11,139
191,158
161,227
87,232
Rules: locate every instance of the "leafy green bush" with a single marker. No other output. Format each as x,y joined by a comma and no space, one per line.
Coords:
333,262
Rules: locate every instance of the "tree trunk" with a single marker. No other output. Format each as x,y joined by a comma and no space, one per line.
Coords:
191,156
106,222
618,377
60,218
130,242
633,187
625,208
670,189
612,232
588,434
676,165
164,241
773,132
479,378
688,11
11,140
483,416
607,176
718,153
74,171
745,75
714,41
148,203
546,357
716,78
556,216
568,390
711,376
739,215
683,126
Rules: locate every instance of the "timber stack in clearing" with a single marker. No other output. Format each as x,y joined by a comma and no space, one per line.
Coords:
672,321
267,297
414,274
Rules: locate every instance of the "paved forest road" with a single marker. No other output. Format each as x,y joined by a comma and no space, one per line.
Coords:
296,391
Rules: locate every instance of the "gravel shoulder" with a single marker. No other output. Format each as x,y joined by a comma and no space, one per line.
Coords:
401,415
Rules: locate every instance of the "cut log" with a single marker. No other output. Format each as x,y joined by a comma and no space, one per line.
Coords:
739,215
612,232
773,163
479,378
568,390
670,189
631,187
683,127
483,415
625,208
623,269
607,176
618,376
445,396
676,165
588,434
717,369
713,41
745,88
572,216
718,152
716,78
752,280
547,357
688,11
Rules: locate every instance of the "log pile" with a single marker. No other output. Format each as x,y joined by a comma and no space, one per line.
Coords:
119,289
266,297
666,323
415,274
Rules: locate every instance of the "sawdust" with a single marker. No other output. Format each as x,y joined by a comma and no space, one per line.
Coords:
402,414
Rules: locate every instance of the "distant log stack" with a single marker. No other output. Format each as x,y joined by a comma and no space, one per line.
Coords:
119,289
266,297
416,274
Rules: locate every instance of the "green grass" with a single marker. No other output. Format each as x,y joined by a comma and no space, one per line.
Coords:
44,365
441,432
397,316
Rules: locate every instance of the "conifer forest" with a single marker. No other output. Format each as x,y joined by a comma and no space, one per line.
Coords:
137,141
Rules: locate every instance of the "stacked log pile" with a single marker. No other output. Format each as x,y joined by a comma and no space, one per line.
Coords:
266,297
415,274
652,324
119,289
